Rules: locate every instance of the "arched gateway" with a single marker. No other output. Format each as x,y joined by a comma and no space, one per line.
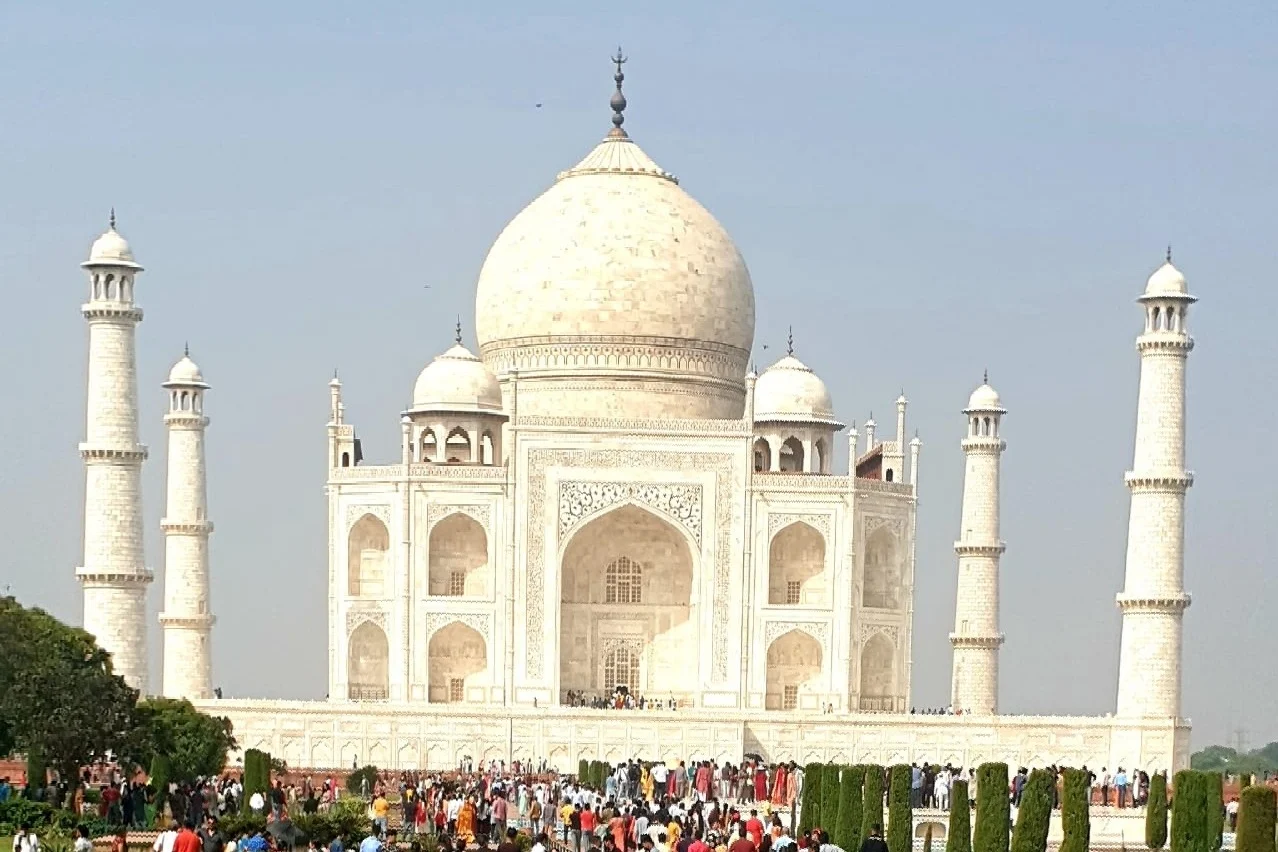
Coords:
626,613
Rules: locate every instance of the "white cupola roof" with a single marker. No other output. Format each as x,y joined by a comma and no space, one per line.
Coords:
1167,282
111,249
185,373
457,381
985,398
789,392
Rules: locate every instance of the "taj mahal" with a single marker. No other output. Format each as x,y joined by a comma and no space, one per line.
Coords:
603,494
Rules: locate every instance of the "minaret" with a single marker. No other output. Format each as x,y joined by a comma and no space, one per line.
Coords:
1153,600
976,639
186,620
114,576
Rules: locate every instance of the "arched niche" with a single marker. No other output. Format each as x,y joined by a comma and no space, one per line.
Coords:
628,574
457,556
762,455
368,544
457,657
878,675
793,669
796,567
791,455
368,664
882,586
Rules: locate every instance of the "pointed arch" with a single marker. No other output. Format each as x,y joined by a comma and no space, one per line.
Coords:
878,674
457,557
457,657
882,586
794,665
762,455
796,566
457,449
791,455
368,545
368,664
428,446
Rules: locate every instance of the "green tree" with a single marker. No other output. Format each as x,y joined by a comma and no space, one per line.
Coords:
361,780
993,810
583,770
872,800
959,837
1076,820
159,776
1214,806
900,836
1189,812
830,786
810,809
195,743
1257,810
1156,812
59,696
847,823
1035,813
927,839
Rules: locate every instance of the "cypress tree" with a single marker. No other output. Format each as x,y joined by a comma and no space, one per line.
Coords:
583,770
1156,812
993,810
872,800
158,777
959,837
1257,809
831,778
1076,819
1034,814
37,771
927,839
847,832
810,809
1214,803
1189,812
900,836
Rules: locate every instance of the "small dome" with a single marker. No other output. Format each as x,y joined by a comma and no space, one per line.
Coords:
111,249
789,391
984,398
1167,280
185,372
457,381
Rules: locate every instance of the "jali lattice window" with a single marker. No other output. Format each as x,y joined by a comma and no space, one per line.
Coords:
792,592
623,581
621,668
790,699
456,689
457,583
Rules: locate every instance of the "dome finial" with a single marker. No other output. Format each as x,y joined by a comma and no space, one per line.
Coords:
111,219
985,378
186,349
618,101
1169,252
458,337
789,342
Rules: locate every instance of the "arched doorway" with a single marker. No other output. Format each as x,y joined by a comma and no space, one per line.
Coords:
368,664
796,566
878,659
457,657
882,587
794,668
626,590
367,546
458,557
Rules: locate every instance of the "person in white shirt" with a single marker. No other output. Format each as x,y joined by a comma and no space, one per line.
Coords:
941,789
25,840
164,843
82,841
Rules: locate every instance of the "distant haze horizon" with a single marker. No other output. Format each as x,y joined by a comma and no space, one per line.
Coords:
920,196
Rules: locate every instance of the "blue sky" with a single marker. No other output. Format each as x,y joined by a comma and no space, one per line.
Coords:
921,190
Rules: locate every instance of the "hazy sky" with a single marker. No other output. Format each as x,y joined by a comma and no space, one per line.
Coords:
922,191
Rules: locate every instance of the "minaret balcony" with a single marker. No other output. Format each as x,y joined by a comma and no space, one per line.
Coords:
111,311
136,453
1165,481
976,548
984,445
1160,604
115,578
186,527
198,621
186,420
964,640
1165,341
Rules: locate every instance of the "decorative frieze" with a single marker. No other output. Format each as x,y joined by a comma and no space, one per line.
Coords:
891,631
380,511
873,523
436,512
773,630
780,520
355,618
679,502
480,622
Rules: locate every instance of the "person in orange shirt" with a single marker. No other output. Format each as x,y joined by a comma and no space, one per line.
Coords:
187,840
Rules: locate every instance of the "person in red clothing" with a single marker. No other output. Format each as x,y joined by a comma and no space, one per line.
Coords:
187,840
588,822
742,843
754,828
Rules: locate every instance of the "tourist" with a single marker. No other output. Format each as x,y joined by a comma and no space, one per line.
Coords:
1231,812
874,843
466,818
1106,780
743,843
541,843
120,842
186,840
82,841
381,815
500,809
1120,783
371,843
211,839
164,843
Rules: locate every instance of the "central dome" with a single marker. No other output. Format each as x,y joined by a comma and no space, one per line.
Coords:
616,294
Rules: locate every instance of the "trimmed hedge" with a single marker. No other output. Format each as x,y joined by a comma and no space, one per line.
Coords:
1076,818
1215,809
993,809
583,770
900,835
959,837
1257,810
257,776
810,809
1034,814
871,800
1156,812
831,777
847,824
